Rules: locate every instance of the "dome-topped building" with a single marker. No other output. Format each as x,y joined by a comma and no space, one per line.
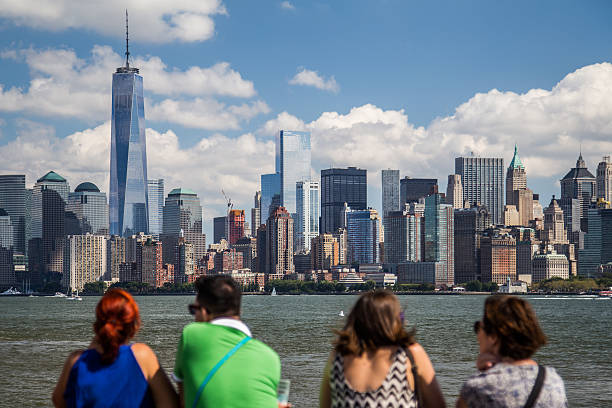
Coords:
90,207
87,187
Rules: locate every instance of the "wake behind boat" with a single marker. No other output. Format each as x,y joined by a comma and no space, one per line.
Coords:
10,292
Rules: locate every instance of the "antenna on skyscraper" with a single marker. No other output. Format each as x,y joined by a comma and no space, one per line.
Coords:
127,42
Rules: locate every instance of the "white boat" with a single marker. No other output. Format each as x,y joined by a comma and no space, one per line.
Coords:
74,297
341,314
10,292
273,292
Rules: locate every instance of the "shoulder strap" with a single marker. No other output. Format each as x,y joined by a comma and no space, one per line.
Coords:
415,375
537,387
216,368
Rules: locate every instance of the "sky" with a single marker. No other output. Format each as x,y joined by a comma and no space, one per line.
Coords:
408,85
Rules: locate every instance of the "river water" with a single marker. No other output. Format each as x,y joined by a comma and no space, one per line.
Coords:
36,335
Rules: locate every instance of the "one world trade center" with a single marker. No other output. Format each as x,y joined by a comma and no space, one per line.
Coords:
128,163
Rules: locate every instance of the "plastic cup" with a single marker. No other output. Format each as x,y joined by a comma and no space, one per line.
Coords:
283,391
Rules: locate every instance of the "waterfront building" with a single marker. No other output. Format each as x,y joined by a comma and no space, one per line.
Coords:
219,229
85,260
128,162
580,184
306,223
381,279
483,182
7,270
279,243
324,252
182,215
342,236
597,242
604,179
152,262
13,201
302,264
413,189
549,265
116,255
248,247
90,207
469,224
256,214
390,191
270,194
293,162
403,236
421,272
156,207
497,256
228,260
439,244
554,225
235,226
454,191
363,235
340,186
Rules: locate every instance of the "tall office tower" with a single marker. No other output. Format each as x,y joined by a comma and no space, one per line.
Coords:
128,162
235,226
185,263
156,207
549,265
604,179
89,206
497,256
581,184
554,226
571,219
6,230
182,217
363,235
483,183
152,262
219,229
13,201
262,249
279,242
306,223
403,236
390,191
256,214
324,252
7,270
292,163
538,210
339,186
527,246
516,178
342,236
248,247
270,189
597,242
115,250
511,215
439,244
412,189
470,223
454,191
49,198
84,260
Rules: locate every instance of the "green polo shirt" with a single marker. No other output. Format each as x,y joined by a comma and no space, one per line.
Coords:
249,378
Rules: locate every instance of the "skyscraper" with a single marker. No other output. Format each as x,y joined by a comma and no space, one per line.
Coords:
554,225
235,226
256,214
579,183
439,244
339,186
604,179
403,236
390,191
279,243
270,188
411,189
306,223
7,270
497,256
293,163
182,218
156,206
597,242
454,191
90,207
363,232
128,163
470,223
483,183
219,229
84,260
13,201
517,193
324,252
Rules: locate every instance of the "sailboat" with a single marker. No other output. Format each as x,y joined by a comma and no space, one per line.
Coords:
341,314
273,292
73,297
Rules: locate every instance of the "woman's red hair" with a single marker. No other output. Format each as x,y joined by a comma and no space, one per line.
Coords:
117,321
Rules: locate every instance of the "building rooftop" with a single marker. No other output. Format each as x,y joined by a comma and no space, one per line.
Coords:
52,176
88,187
182,191
516,162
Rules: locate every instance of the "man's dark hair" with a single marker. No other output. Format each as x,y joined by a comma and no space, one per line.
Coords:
219,295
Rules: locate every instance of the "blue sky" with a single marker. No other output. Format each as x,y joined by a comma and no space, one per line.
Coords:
399,84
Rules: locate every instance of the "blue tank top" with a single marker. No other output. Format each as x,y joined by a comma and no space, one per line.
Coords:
96,385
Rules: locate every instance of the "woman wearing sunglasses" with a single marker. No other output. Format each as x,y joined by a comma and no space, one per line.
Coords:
508,336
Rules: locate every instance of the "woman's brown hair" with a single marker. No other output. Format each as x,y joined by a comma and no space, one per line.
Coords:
373,322
117,321
514,323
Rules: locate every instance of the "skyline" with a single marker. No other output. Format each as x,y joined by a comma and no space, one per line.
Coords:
219,132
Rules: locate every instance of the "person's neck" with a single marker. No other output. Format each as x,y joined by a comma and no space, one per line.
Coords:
525,361
234,317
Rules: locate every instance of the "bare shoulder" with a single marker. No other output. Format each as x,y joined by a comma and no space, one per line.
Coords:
417,350
73,357
143,353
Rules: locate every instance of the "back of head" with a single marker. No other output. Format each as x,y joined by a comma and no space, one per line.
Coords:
117,321
513,321
373,322
219,295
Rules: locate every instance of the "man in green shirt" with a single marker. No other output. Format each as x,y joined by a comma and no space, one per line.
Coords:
217,349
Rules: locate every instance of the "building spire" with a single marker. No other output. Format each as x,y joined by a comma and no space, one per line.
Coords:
127,42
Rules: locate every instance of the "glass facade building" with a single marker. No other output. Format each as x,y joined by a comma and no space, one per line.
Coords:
90,207
182,217
403,232
270,187
128,163
156,207
390,191
439,242
339,186
412,189
13,201
580,184
363,228
306,225
483,183
293,161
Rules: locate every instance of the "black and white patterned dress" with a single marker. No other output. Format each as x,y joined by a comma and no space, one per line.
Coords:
393,392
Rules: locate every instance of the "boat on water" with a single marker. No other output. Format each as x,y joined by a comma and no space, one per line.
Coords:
341,314
10,292
273,292
606,294
74,297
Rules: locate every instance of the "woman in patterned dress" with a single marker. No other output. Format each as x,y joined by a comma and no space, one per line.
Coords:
508,335
371,366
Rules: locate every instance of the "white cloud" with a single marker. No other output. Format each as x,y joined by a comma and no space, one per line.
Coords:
283,121
287,5
150,21
307,77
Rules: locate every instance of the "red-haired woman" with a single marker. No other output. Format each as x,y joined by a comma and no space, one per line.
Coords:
375,360
113,373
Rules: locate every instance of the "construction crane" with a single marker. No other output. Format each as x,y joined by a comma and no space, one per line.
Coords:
230,205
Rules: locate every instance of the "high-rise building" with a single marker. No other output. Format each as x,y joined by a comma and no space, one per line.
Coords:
279,243
497,256
128,162
115,250
412,189
182,217
248,247
470,223
306,221
156,207
324,252
571,219
185,263
256,214
597,242
390,191
342,236
363,235
454,191
403,236
235,226
228,260
483,183
527,246
579,183
7,270
604,179
219,229
13,201
270,189
554,225
549,265
84,260
516,177
439,244
152,262
340,186
90,207
293,163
